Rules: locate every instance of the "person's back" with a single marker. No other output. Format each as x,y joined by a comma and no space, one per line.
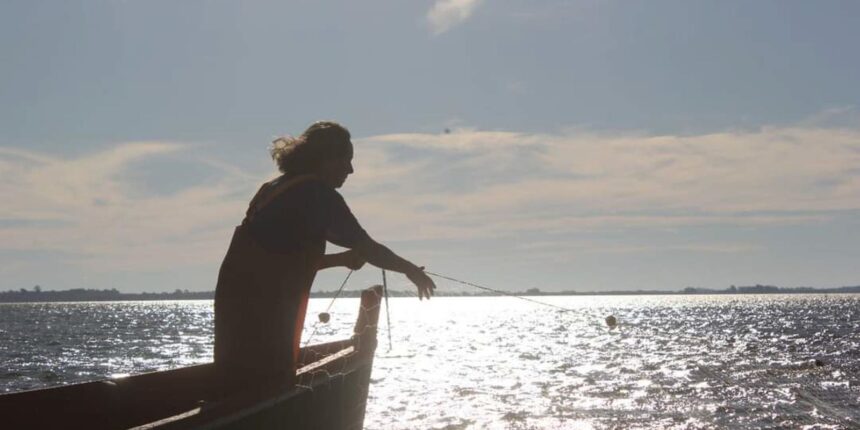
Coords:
258,301
301,215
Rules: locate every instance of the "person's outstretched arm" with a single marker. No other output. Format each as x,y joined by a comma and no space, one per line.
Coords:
349,259
380,256
343,230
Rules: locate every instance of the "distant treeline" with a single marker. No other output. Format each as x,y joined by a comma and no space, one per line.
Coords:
753,289
770,289
90,295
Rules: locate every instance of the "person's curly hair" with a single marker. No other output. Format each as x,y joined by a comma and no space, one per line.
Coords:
323,140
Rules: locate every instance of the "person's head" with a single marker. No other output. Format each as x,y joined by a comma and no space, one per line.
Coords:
324,150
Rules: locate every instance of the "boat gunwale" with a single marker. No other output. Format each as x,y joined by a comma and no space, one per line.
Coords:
357,352
255,400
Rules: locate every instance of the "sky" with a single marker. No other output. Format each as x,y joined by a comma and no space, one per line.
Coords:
560,145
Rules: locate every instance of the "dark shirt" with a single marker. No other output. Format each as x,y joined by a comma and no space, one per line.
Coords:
303,215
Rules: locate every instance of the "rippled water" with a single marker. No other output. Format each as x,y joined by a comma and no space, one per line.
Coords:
457,363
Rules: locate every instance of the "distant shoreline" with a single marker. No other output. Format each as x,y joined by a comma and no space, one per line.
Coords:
36,295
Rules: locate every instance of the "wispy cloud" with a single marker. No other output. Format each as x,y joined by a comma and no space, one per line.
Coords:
86,208
467,185
486,184
445,14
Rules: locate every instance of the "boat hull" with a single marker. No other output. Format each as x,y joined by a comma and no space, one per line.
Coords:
331,393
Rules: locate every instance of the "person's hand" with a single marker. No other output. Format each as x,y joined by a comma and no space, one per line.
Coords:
422,281
353,259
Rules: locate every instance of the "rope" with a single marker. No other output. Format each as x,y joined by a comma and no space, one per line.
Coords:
499,292
316,324
387,315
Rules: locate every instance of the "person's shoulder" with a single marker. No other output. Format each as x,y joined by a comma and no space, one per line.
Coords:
292,182
315,186
313,183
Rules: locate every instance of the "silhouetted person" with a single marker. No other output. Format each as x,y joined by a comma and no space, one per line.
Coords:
265,279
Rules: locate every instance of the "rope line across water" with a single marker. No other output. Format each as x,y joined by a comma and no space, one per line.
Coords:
499,291
387,313
438,275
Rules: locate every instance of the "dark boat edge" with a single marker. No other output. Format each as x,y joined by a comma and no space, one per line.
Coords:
331,393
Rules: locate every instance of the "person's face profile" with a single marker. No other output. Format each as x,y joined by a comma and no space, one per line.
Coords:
335,171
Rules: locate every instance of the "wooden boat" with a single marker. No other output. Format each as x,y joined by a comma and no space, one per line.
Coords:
331,393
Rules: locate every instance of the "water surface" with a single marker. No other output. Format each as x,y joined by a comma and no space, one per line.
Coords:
746,361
